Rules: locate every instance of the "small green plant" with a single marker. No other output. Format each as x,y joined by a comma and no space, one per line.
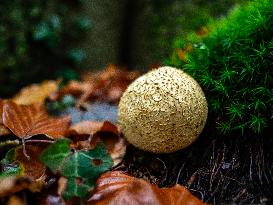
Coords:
234,65
37,38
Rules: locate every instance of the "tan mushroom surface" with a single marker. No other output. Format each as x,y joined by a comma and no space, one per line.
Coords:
163,111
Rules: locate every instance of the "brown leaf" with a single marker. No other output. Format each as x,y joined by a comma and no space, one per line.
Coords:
35,93
106,86
203,31
87,127
1,111
182,55
3,129
32,168
15,200
26,121
104,131
74,88
119,189
13,184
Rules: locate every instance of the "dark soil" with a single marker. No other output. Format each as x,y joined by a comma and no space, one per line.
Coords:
218,170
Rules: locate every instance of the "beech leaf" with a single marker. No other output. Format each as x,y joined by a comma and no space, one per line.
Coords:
120,189
106,132
26,121
35,93
105,86
1,111
13,184
3,129
81,168
15,163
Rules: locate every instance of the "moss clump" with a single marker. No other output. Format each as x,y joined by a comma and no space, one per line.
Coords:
234,65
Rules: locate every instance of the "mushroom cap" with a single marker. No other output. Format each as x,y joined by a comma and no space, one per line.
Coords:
163,111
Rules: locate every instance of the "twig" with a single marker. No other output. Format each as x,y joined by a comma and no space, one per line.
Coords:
24,149
40,141
165,167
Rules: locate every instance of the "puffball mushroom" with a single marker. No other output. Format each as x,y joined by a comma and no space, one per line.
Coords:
163,111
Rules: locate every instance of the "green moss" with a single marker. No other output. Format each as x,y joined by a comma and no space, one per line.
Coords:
234,65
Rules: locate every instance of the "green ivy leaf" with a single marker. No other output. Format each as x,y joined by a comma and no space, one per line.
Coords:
54,156
81,168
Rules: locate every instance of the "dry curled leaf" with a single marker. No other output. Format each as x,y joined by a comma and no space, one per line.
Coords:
109,84
26,121
116,188
104,131
74,88
105,86
35,93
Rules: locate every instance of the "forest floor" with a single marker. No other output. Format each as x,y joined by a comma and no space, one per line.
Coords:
216,169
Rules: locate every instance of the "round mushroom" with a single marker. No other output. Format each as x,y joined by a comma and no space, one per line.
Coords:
163,111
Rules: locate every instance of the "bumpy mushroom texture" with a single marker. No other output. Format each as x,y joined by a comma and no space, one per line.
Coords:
163,111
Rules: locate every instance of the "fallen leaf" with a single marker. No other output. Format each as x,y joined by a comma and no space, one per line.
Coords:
203,31
35,93
80,168
105,86
74,88
15,163
1,111
26,121
120,189
15,200
101,131
3,130
13,184
86,127
182,55
32,168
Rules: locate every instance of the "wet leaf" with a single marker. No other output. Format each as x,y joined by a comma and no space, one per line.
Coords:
35,93
106,132
120,189
26,121
81,168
